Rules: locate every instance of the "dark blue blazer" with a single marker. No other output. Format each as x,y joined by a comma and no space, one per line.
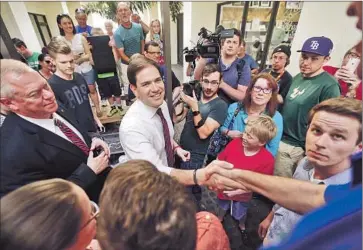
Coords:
31,153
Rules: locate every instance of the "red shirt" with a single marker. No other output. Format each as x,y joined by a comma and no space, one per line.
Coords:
343,85
262,162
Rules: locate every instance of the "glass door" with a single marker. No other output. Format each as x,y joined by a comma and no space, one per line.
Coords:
287,18
263,24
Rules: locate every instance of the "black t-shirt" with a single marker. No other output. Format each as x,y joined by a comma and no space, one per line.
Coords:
73,96
189,139
284,83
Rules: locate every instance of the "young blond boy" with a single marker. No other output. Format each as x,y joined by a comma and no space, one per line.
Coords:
248,153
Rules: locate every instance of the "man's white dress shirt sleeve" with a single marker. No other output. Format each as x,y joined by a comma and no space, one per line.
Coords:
136,145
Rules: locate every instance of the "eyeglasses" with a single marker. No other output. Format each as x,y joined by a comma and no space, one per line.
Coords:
213,83
259,89
95,211
154,53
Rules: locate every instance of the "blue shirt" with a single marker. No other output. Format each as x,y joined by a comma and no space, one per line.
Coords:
230,76
284,219
239,124
337,225
129,39
250,61
80,29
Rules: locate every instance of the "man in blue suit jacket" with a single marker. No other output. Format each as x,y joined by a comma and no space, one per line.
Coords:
39,143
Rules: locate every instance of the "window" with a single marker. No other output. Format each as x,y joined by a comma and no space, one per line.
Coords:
41,28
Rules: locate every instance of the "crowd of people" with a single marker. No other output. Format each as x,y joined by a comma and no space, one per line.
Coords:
249,134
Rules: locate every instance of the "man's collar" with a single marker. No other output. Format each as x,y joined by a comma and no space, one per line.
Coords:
145,110
344,175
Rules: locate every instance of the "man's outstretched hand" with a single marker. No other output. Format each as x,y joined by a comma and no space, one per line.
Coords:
219,176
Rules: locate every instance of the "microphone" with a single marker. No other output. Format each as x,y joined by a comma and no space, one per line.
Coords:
218,30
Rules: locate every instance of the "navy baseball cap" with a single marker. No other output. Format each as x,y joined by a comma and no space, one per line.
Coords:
318,45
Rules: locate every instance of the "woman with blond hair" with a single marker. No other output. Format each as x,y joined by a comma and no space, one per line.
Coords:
156,36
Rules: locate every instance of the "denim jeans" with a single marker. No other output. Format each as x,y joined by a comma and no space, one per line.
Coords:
195,162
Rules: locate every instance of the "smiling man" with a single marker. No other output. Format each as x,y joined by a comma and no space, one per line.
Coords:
146,131
310,87
38,143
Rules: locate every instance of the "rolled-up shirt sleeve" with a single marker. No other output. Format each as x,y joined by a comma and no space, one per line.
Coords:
137,146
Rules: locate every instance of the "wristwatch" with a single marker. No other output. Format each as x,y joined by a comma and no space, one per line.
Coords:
195,113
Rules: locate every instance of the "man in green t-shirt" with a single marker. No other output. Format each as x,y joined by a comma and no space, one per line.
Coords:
310,87
31,57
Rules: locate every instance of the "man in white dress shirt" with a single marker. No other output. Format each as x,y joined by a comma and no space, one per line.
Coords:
37,143
143,129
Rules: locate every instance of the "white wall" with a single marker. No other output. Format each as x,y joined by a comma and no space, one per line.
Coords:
327,19
50,10
21,26
203,15
9,20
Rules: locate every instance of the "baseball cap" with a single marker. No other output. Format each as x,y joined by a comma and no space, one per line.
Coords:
284,49
318,45
211,234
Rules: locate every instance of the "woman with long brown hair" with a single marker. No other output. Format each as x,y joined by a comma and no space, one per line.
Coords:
260,98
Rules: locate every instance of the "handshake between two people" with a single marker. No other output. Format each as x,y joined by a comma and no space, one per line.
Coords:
220,176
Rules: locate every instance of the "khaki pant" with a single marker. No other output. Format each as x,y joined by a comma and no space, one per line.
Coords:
287,159
119,73
124,78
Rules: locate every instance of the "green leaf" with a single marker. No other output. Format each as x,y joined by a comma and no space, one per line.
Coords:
108,9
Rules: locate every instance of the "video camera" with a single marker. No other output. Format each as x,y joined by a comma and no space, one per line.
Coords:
191,86
208,45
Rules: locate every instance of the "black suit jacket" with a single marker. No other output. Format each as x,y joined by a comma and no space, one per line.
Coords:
30,153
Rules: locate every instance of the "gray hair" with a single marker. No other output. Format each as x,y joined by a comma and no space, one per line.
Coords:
9,70
108,22
123,3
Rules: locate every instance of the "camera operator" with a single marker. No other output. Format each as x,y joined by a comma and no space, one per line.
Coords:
236,73
203,117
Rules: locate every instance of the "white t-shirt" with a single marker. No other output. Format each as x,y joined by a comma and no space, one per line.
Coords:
77,48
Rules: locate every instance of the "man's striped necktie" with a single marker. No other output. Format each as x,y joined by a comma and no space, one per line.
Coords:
72,136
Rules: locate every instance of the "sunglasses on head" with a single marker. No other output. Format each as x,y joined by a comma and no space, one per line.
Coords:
80,10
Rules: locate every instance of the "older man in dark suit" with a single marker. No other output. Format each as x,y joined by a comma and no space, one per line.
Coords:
39,143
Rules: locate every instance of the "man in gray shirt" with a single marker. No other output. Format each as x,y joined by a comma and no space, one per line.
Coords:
203,117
